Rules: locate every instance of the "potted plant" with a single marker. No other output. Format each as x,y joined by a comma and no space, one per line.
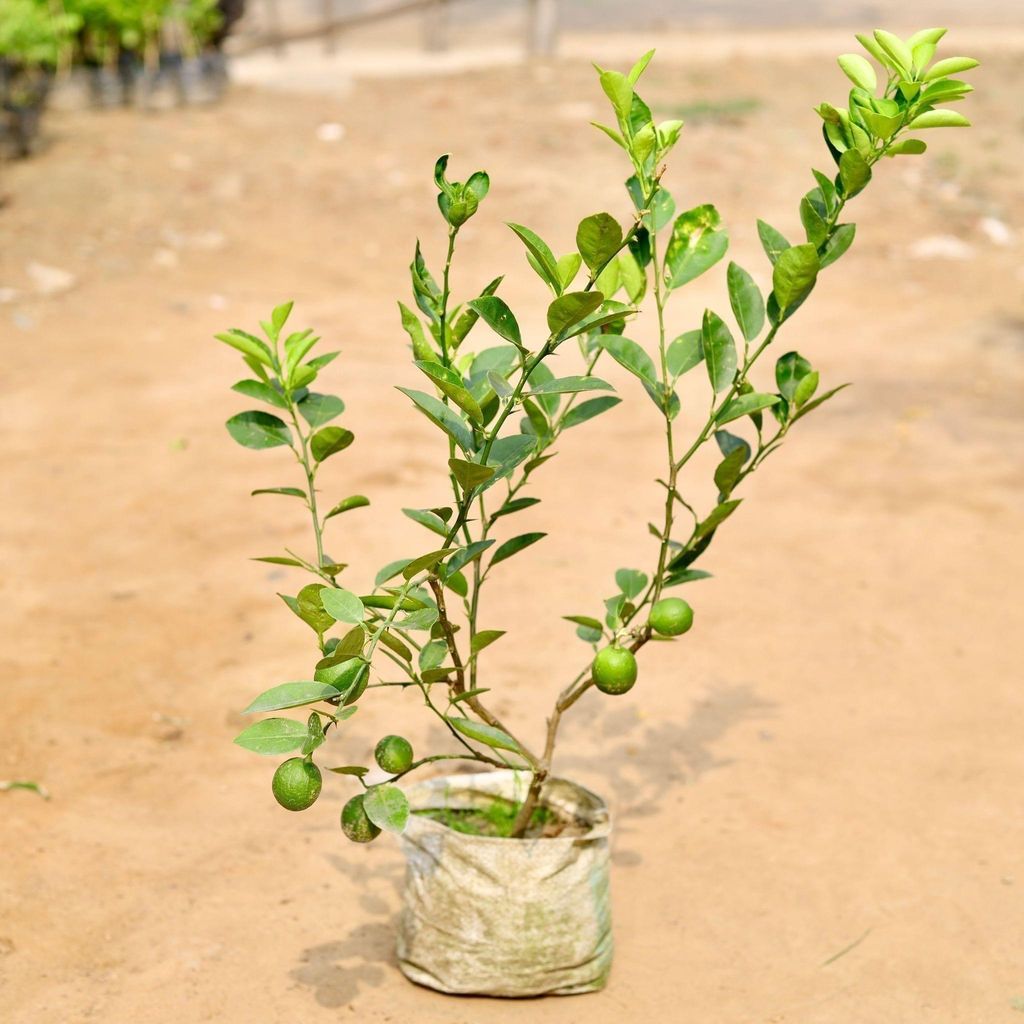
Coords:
31,39
507,890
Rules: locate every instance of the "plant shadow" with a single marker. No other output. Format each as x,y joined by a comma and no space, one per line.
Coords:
640,758
337,971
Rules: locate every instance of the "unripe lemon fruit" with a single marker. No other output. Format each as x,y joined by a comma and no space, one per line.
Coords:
614,670
394,754
297,783
671,616
355,823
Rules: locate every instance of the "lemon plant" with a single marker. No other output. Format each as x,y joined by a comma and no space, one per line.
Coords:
499,410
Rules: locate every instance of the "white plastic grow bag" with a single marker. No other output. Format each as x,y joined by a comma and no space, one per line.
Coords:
505,917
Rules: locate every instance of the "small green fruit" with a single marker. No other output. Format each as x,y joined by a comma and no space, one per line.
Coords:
671,616
394,754
355,823
614,670
297,783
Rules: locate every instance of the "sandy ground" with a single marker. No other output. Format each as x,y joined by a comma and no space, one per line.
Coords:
834,755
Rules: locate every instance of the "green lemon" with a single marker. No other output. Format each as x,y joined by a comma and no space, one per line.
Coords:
297,783
614,670
355,823
394,754
671,616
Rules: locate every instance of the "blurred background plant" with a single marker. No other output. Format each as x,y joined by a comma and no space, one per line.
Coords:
106,53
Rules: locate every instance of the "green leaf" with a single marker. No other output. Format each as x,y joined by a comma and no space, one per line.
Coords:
279,560
387,807
427,561
598,239
248,345
450,383
814,224
280,315
820,400
432,655
790,369
859,71
674,579
315,734
940,119
469,694
421,620
484,638
355,501
571,308
444,417
291,695
949,66
260,391
719,351
908,147
729,470
718,516
686,352
592,323
350,769
697,244
308,606
728,443
631,356
746,301
421,347
342,674
465,555
496,314
744,405
296,346
290,492
506,454
570,386
854,172
805,389
794,275
391,570
611,133
839,241
948,90
638,68
568,266
393,643
342,605
486,734
896,50
258,430
431,520
618,88
544,261
588,410
273,736
325,443
319,409
773,242
631,582
882,126
470,474
587,621
513,547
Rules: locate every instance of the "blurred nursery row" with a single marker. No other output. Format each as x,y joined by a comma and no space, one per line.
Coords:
153,54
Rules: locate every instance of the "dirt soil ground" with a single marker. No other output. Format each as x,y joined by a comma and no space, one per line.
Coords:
831,762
